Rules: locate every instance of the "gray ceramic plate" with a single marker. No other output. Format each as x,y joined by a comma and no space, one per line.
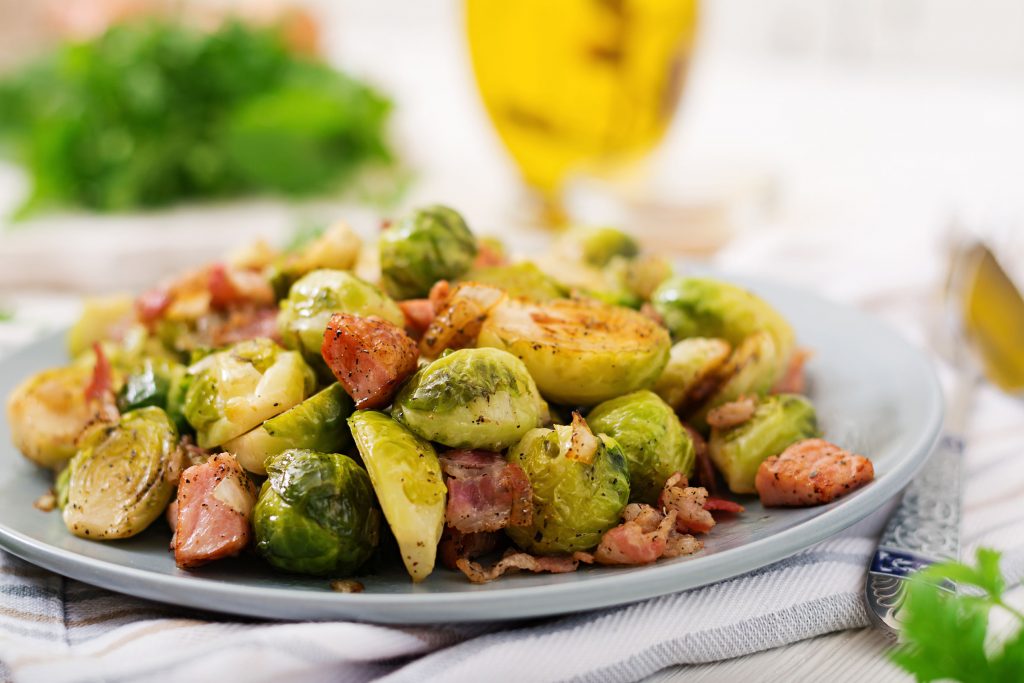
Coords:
874,393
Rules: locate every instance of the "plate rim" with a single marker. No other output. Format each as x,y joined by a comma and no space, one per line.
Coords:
288,603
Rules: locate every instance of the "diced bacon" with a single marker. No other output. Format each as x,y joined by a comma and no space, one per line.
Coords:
215,502
485,493
688,504
438,296
487,256
234,286
722,505
369,357
458,323
240,324
732,414
150,305
811,472
679,545
645,536
554,564
456,545
101,386
794,380
419,313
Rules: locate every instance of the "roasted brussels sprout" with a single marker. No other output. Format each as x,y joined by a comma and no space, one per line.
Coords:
406,476
48,411
471,398
579,352
429,244
234,390
316,514
653,440
777,422
691,363
640,276
596,246
157,382
580,487
752,369
102,319
337,248
315,297
703,307
523,280
316,424
123,475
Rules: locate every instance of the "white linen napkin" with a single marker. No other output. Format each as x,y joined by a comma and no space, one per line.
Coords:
56,629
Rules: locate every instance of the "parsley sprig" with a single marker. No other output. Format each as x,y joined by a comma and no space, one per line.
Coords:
946,635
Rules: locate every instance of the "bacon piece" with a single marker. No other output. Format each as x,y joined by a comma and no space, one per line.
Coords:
487,256
458,323
101,386
485,493
240,324
705,468
688,504
723,505
419,313
732,414
233,286
456,545
370,357
555,564
438,295
150,305
794,380
645,536
215,502
811,472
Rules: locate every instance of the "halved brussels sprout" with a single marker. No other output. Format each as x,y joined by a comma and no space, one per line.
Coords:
315,297
703,307
234,390
471,398
653,440
337,248
123,475
523,280
48,411
157,382
430,244
406,476
691,363
316,424
752,369
596,245
102,319
579,352
316,514
778,421
578,492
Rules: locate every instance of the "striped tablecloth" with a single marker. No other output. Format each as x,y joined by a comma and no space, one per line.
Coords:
56,629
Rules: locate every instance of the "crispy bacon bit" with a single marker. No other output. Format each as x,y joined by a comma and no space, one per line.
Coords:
513,561
723,505
46,502
811,472
347,586
215,502
458,323
456,545
688,503
644,536
794,380
438,296
705,469
485,493
233,286
102,382
583,444
734,413
419,313
193,454
150,305
369,357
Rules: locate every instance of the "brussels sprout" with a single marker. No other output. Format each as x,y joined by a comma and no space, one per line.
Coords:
691,362
777,422
316,424
316,514
315,297
523,280
123,475
576,496
156,382
428,245
579,352
234,390
702,307
596,246
337,248
752,369
471,398
653,440
406,476
102,319
640,276
48,411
